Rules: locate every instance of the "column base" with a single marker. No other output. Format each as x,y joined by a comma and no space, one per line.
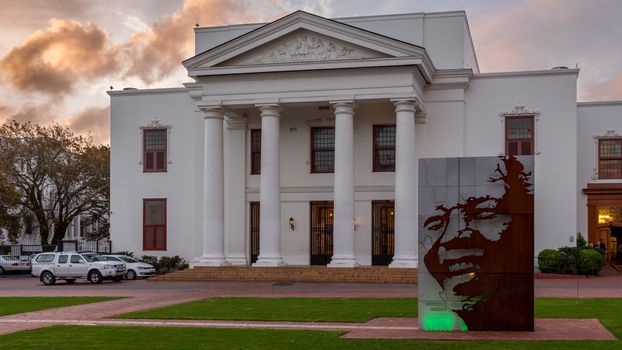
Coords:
269,262
237,261
405,262
209,261
343,261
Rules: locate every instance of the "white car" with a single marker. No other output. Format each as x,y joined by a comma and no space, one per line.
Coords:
70,266
12,263
135,269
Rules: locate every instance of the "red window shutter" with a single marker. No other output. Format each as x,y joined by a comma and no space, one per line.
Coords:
149,161
513,148
525,148
160,161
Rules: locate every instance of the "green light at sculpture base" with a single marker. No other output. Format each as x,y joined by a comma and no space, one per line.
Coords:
443,322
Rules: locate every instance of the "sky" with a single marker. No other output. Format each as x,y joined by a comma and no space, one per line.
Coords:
59,57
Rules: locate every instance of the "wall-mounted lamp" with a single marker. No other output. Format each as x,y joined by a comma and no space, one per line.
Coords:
292,223
356,223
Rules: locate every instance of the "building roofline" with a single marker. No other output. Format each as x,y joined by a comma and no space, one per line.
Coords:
599,103
147,91
370,17
526,73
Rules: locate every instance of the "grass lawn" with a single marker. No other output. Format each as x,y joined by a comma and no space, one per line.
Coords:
17,305
119,338
284,309
609,311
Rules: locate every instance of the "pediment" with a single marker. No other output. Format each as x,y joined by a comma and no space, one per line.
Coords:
302,41
303,46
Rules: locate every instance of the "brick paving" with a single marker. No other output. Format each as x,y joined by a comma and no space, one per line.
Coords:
142,295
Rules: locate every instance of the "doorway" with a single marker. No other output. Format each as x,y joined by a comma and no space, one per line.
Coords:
382,232
321,232
254,230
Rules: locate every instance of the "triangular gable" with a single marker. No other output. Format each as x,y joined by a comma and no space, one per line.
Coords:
303,46
300,38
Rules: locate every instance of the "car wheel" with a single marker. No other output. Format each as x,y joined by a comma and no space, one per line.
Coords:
131,275
70,281
1,271
117,279
95,277
48,278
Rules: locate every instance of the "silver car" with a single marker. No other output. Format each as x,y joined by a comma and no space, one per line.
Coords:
12,263
70,266
135,269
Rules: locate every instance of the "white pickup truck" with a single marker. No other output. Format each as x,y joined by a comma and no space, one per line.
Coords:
70,266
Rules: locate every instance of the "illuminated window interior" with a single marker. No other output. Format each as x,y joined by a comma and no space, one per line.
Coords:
609,214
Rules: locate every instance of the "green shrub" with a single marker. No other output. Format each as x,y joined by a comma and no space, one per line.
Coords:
590,261
165,264
570,256
171,264
581,242
551,261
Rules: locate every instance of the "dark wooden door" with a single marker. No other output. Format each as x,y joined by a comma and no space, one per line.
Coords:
254,230
321,232
382,232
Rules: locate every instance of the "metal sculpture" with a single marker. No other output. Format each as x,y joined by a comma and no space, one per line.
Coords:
483,263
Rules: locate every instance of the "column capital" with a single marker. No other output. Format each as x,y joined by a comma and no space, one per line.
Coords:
343,106
404,105
209,112
269,109
234,123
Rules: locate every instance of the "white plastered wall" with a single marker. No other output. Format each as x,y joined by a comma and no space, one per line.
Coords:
553,94
129,185
595,118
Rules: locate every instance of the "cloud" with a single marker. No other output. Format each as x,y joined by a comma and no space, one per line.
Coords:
158,52
36,113
93,121
605,90
543,34
56,60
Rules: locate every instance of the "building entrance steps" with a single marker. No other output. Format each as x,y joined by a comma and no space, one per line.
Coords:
290,274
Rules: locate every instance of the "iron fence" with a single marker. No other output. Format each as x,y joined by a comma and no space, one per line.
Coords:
99,246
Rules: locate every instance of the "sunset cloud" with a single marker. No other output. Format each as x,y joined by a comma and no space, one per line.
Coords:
93,121
56,60
37,113
157,52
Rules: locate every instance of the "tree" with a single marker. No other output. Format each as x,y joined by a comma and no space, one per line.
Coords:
55,174
10,211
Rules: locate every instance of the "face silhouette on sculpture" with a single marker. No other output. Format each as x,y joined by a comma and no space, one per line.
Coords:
484,249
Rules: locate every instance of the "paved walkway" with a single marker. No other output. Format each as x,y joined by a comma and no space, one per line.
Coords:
143,295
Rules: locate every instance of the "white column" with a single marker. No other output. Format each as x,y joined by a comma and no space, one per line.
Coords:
76,226
269,189
235,189
343,227
213,191
69,233
406,186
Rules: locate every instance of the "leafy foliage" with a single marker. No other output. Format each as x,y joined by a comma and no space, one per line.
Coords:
581,242
53,175
550,261
165,264
590,261
571,260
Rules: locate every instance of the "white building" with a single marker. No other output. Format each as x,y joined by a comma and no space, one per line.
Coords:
337,113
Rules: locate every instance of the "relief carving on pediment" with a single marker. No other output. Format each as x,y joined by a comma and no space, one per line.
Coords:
303,47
